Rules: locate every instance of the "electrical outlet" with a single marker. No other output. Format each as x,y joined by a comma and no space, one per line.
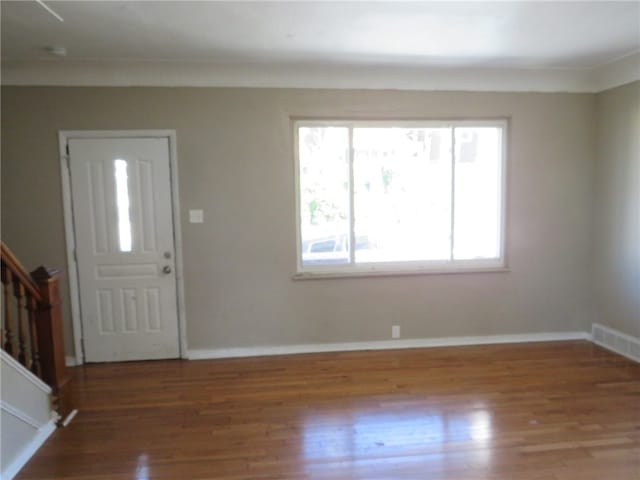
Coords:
395,331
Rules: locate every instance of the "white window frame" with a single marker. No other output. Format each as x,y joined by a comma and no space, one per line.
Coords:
405,267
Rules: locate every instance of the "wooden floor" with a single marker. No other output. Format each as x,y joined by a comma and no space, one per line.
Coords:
564,410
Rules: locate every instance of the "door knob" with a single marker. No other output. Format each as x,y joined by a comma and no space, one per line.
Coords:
166,269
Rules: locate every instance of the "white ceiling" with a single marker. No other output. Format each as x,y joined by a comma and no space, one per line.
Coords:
415,35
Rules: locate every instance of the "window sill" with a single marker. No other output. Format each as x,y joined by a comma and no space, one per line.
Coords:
395,273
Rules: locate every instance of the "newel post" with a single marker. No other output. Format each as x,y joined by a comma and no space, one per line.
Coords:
50,339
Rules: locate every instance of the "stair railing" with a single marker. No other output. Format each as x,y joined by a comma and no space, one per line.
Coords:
31,327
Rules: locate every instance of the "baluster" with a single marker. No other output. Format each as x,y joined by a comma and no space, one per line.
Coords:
32,307
7,280
20,300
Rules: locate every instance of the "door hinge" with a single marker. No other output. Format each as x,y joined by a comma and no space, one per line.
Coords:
66,149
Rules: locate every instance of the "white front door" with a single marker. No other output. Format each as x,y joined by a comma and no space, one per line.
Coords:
123,222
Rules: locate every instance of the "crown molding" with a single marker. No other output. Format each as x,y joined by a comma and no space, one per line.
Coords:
619,72
267,75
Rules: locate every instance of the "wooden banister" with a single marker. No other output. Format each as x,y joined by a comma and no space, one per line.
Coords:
32,325
19,273
50,340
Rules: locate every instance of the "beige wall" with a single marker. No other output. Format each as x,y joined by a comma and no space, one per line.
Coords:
235,162
617,208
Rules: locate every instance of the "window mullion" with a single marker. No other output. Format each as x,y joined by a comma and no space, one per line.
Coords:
352,232
453,189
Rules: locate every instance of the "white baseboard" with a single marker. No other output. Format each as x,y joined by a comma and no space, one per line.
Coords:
616,341
29,451
70,361
202,354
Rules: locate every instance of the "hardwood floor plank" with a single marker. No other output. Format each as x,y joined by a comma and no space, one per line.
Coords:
543,411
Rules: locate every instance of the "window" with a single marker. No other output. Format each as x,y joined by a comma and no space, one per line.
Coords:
399,196
122,203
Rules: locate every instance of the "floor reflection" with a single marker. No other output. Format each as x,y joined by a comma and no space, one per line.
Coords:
339,438
142,467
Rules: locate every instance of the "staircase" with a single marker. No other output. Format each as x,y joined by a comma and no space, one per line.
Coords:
36,393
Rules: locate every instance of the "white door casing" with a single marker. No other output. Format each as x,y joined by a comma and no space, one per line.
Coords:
125,251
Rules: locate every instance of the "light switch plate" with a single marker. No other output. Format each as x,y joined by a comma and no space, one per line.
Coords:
196,216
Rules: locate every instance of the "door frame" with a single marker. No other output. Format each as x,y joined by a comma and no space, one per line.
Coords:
74,293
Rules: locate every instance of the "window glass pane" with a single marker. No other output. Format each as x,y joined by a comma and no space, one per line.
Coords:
402,194
324,194
122,202
478,193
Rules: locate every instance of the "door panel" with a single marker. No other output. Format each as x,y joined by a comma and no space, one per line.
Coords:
121,194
